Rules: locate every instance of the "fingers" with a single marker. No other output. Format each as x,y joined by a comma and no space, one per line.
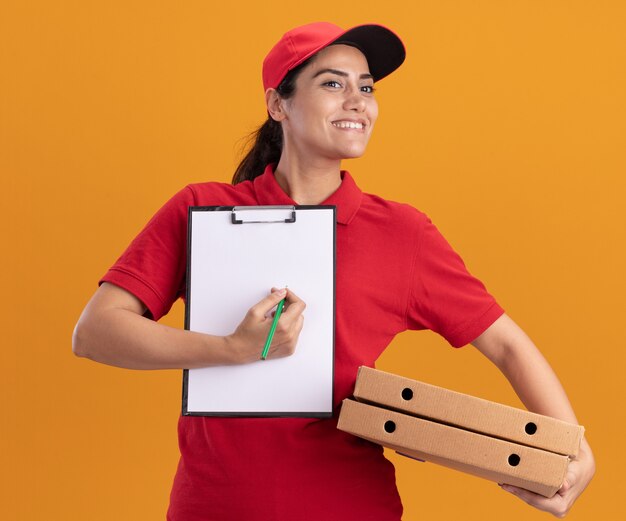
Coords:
294,306
262,308
556,505
529,497
576,480
568,482
289,326
564,487
253,331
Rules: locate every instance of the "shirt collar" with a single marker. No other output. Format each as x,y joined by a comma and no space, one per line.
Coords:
347,198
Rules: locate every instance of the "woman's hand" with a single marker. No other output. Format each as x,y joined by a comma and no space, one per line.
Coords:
534,381
250,336
579,474
112,330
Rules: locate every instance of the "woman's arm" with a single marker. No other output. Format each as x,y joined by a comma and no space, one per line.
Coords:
534,381
112,330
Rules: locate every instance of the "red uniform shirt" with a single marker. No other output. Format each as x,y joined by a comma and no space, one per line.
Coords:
394,272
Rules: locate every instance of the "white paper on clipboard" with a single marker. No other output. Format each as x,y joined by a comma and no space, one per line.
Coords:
233,266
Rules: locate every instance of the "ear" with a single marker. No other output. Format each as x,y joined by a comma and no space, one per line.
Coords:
275,105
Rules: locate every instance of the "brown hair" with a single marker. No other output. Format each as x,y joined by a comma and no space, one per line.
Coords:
267,141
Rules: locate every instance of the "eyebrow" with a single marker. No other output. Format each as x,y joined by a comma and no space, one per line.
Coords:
344,74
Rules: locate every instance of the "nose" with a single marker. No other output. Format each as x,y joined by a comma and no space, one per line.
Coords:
354,100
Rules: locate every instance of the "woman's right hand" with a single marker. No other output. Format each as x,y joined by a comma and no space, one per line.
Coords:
248,339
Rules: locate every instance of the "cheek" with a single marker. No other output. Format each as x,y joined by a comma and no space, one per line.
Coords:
305,117
373,111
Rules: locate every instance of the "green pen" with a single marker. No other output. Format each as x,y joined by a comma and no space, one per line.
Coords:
270,336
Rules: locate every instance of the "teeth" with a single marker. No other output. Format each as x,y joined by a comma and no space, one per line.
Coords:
347,124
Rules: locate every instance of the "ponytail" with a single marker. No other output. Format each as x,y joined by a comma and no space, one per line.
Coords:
267,140
267,145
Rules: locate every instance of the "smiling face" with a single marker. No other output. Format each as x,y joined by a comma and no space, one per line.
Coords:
333,110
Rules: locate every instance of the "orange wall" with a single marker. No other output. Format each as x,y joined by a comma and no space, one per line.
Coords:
507,125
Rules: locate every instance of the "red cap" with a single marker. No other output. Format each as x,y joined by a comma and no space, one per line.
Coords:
382,48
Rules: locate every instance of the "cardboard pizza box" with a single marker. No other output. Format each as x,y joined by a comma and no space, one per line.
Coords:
498,460
467,412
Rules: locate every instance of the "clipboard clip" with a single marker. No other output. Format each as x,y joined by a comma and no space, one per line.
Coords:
251,214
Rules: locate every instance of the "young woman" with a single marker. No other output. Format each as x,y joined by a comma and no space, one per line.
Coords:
319,93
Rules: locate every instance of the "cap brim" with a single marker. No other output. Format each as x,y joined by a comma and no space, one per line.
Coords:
383,49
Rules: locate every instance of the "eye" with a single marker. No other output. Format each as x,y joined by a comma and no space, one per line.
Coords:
369,89
332,83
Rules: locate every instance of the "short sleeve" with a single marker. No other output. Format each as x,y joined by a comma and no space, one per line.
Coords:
153,266
445,297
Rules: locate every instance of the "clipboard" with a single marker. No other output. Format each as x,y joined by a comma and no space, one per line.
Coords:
235,254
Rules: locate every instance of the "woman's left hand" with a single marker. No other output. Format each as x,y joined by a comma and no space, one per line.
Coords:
579,473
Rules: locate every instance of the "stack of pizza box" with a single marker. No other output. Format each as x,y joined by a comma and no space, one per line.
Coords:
466,433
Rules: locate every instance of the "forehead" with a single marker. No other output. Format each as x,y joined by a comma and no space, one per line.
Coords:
342,57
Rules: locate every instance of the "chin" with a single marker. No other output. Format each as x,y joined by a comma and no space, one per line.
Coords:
352,152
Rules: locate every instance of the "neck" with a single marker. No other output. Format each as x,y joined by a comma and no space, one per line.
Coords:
308,182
